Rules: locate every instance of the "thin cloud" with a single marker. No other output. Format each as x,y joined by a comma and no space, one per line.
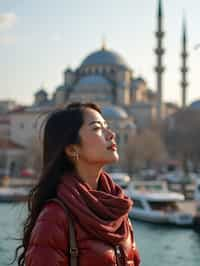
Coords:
7,21
56,37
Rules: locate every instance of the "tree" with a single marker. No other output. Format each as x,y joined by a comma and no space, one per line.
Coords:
144,149
181,134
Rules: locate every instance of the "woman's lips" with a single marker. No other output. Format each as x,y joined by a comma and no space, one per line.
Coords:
112,147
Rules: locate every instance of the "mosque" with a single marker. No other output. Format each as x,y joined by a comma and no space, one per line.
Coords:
106,78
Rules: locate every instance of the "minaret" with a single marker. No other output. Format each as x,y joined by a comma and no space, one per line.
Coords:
184,68
159,51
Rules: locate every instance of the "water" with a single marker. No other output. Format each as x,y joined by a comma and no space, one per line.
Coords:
164,245
158,245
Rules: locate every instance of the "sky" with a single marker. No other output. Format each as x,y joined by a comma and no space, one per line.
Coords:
39,39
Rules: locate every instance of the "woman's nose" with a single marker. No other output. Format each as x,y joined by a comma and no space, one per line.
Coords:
110,134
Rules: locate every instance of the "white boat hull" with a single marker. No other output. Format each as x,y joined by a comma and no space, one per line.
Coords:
9,194
179,219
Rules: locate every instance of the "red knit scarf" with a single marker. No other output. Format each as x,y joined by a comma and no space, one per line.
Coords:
102,213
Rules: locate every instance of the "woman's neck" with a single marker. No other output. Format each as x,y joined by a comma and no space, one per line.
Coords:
89,174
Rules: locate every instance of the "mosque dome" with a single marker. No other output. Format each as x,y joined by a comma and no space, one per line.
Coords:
93,80
114,112
104,57
195,105
41,92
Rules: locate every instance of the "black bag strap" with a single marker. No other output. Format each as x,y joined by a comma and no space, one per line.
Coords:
73,249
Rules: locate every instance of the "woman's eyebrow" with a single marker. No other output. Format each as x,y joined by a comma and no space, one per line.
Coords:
98,122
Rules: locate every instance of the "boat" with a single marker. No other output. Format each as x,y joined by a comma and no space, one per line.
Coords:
197,200
153,202
14,195
157,205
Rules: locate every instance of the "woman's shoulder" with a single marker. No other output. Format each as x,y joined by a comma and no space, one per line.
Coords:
51,225
53,212
50,230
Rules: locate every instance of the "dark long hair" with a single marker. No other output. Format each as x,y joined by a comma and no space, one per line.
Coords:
61,129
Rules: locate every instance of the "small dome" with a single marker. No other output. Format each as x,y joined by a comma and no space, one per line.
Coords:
68,70
41,92
104,57
92,80
195,105
114,112
136,82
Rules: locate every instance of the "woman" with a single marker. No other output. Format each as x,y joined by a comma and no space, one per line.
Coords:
77,144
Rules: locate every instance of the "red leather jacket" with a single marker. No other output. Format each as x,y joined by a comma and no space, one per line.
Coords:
49,242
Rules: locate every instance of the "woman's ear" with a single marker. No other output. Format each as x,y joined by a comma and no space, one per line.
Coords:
70,150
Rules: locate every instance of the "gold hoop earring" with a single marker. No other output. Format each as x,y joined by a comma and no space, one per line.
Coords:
76,156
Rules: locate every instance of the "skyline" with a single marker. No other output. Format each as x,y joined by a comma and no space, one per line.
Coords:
38,41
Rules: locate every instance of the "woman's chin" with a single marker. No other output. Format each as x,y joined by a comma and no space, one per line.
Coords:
115,157
107,158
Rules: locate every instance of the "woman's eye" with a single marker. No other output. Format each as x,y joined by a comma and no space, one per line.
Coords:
96,128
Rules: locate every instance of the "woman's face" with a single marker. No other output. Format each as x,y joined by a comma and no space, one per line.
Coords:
98,144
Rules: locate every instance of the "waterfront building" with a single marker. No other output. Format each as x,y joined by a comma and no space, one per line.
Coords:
4,126
6,106
10,155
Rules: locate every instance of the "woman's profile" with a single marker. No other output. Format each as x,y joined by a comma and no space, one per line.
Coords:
77,144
